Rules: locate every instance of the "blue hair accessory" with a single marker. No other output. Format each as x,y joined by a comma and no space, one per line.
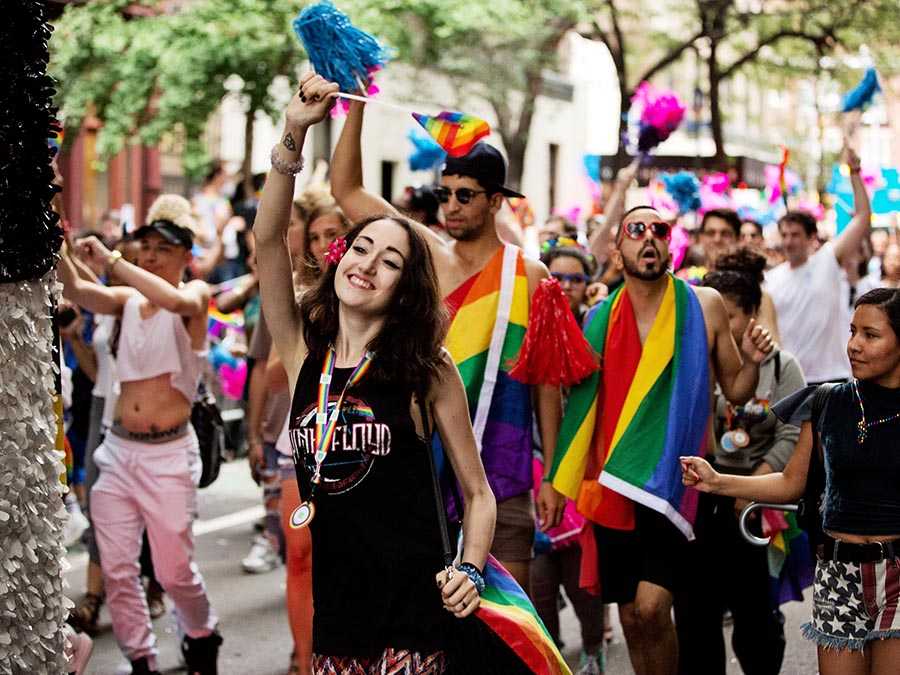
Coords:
339,51
684,189
426,154
863,93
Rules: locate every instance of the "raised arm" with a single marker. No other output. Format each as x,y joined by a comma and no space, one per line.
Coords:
736,371
187,300
615,208
347,179
860,226
309,106
94,297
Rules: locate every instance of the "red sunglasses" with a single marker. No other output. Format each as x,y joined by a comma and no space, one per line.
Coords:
636,229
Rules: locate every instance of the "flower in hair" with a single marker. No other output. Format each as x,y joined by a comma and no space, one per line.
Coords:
336,251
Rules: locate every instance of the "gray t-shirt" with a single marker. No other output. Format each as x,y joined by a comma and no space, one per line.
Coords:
278,404
771,440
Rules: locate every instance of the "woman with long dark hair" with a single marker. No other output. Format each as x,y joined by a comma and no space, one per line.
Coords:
362,351
851,429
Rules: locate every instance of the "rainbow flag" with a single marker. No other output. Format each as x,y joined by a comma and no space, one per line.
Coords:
655,407
455,132
489,315
508,612
791,567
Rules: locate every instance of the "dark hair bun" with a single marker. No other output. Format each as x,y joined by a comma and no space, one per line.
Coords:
744,260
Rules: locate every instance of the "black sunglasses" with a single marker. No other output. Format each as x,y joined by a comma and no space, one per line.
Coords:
571,278
636,230
463,195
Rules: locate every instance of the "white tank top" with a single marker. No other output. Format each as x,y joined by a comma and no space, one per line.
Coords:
156,345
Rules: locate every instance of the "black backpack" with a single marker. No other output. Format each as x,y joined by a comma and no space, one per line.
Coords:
210,429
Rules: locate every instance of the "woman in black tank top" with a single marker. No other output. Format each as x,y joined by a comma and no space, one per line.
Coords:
360,350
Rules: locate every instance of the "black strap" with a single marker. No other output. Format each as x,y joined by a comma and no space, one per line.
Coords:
436,484
777,367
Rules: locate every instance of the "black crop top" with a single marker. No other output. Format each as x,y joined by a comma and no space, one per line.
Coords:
862,481
376,545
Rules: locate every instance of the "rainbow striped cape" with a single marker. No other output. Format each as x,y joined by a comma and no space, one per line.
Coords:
508,612
625,427
489,318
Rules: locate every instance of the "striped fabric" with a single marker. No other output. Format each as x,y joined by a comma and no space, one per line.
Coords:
655,407
791,566
455,132
509,613
489,318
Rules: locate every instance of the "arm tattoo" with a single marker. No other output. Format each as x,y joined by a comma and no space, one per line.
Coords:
288,142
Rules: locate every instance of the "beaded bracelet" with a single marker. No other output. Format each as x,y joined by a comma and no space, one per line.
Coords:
474,574
283,166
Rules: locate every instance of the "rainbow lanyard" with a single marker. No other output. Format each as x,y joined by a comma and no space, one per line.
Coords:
325,423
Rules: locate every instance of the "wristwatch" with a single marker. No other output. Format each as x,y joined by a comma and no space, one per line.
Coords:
114,257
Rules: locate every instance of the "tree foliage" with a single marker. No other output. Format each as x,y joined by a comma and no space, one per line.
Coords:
146,77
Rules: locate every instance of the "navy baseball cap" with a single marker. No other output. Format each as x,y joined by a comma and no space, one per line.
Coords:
485,164
172,233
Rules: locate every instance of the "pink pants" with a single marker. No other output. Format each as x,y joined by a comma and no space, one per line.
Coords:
150,486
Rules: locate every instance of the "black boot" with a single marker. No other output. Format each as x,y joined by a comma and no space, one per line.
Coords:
201,654
140,667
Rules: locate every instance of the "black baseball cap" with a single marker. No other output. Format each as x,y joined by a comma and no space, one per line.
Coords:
485,164
172,233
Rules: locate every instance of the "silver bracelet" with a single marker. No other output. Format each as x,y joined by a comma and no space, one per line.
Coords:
284,167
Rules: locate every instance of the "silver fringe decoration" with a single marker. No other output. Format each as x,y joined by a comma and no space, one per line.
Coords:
33,608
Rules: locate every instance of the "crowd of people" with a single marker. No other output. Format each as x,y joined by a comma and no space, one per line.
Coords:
368,324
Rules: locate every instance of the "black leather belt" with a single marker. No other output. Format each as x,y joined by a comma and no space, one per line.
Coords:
842,551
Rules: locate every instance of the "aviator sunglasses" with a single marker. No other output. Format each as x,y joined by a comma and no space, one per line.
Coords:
571,278
463,195
636,230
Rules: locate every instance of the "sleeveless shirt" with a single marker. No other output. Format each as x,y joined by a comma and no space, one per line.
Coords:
862,482
375,540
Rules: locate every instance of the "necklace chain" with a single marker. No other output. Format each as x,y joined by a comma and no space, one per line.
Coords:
862,427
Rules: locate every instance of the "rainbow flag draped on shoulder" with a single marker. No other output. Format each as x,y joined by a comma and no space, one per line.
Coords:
489,318
626,426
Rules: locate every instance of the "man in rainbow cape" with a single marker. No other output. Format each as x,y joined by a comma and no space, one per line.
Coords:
488,286
662,344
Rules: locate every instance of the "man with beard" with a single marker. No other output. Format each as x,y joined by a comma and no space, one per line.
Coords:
664,345
487,285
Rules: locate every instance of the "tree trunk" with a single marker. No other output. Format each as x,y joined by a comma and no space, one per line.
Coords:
247,165
515,149
715,109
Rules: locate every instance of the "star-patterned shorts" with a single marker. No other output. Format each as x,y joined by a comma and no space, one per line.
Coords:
854,603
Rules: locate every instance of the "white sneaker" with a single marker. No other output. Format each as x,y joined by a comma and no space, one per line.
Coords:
262,557
75,526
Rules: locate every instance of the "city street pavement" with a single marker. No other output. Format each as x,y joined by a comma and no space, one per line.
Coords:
251,607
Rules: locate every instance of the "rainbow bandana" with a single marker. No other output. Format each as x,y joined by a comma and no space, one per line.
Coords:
655,407
489,318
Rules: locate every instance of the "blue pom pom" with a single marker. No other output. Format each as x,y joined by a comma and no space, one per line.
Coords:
339,51
426,154
684,189
863,93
